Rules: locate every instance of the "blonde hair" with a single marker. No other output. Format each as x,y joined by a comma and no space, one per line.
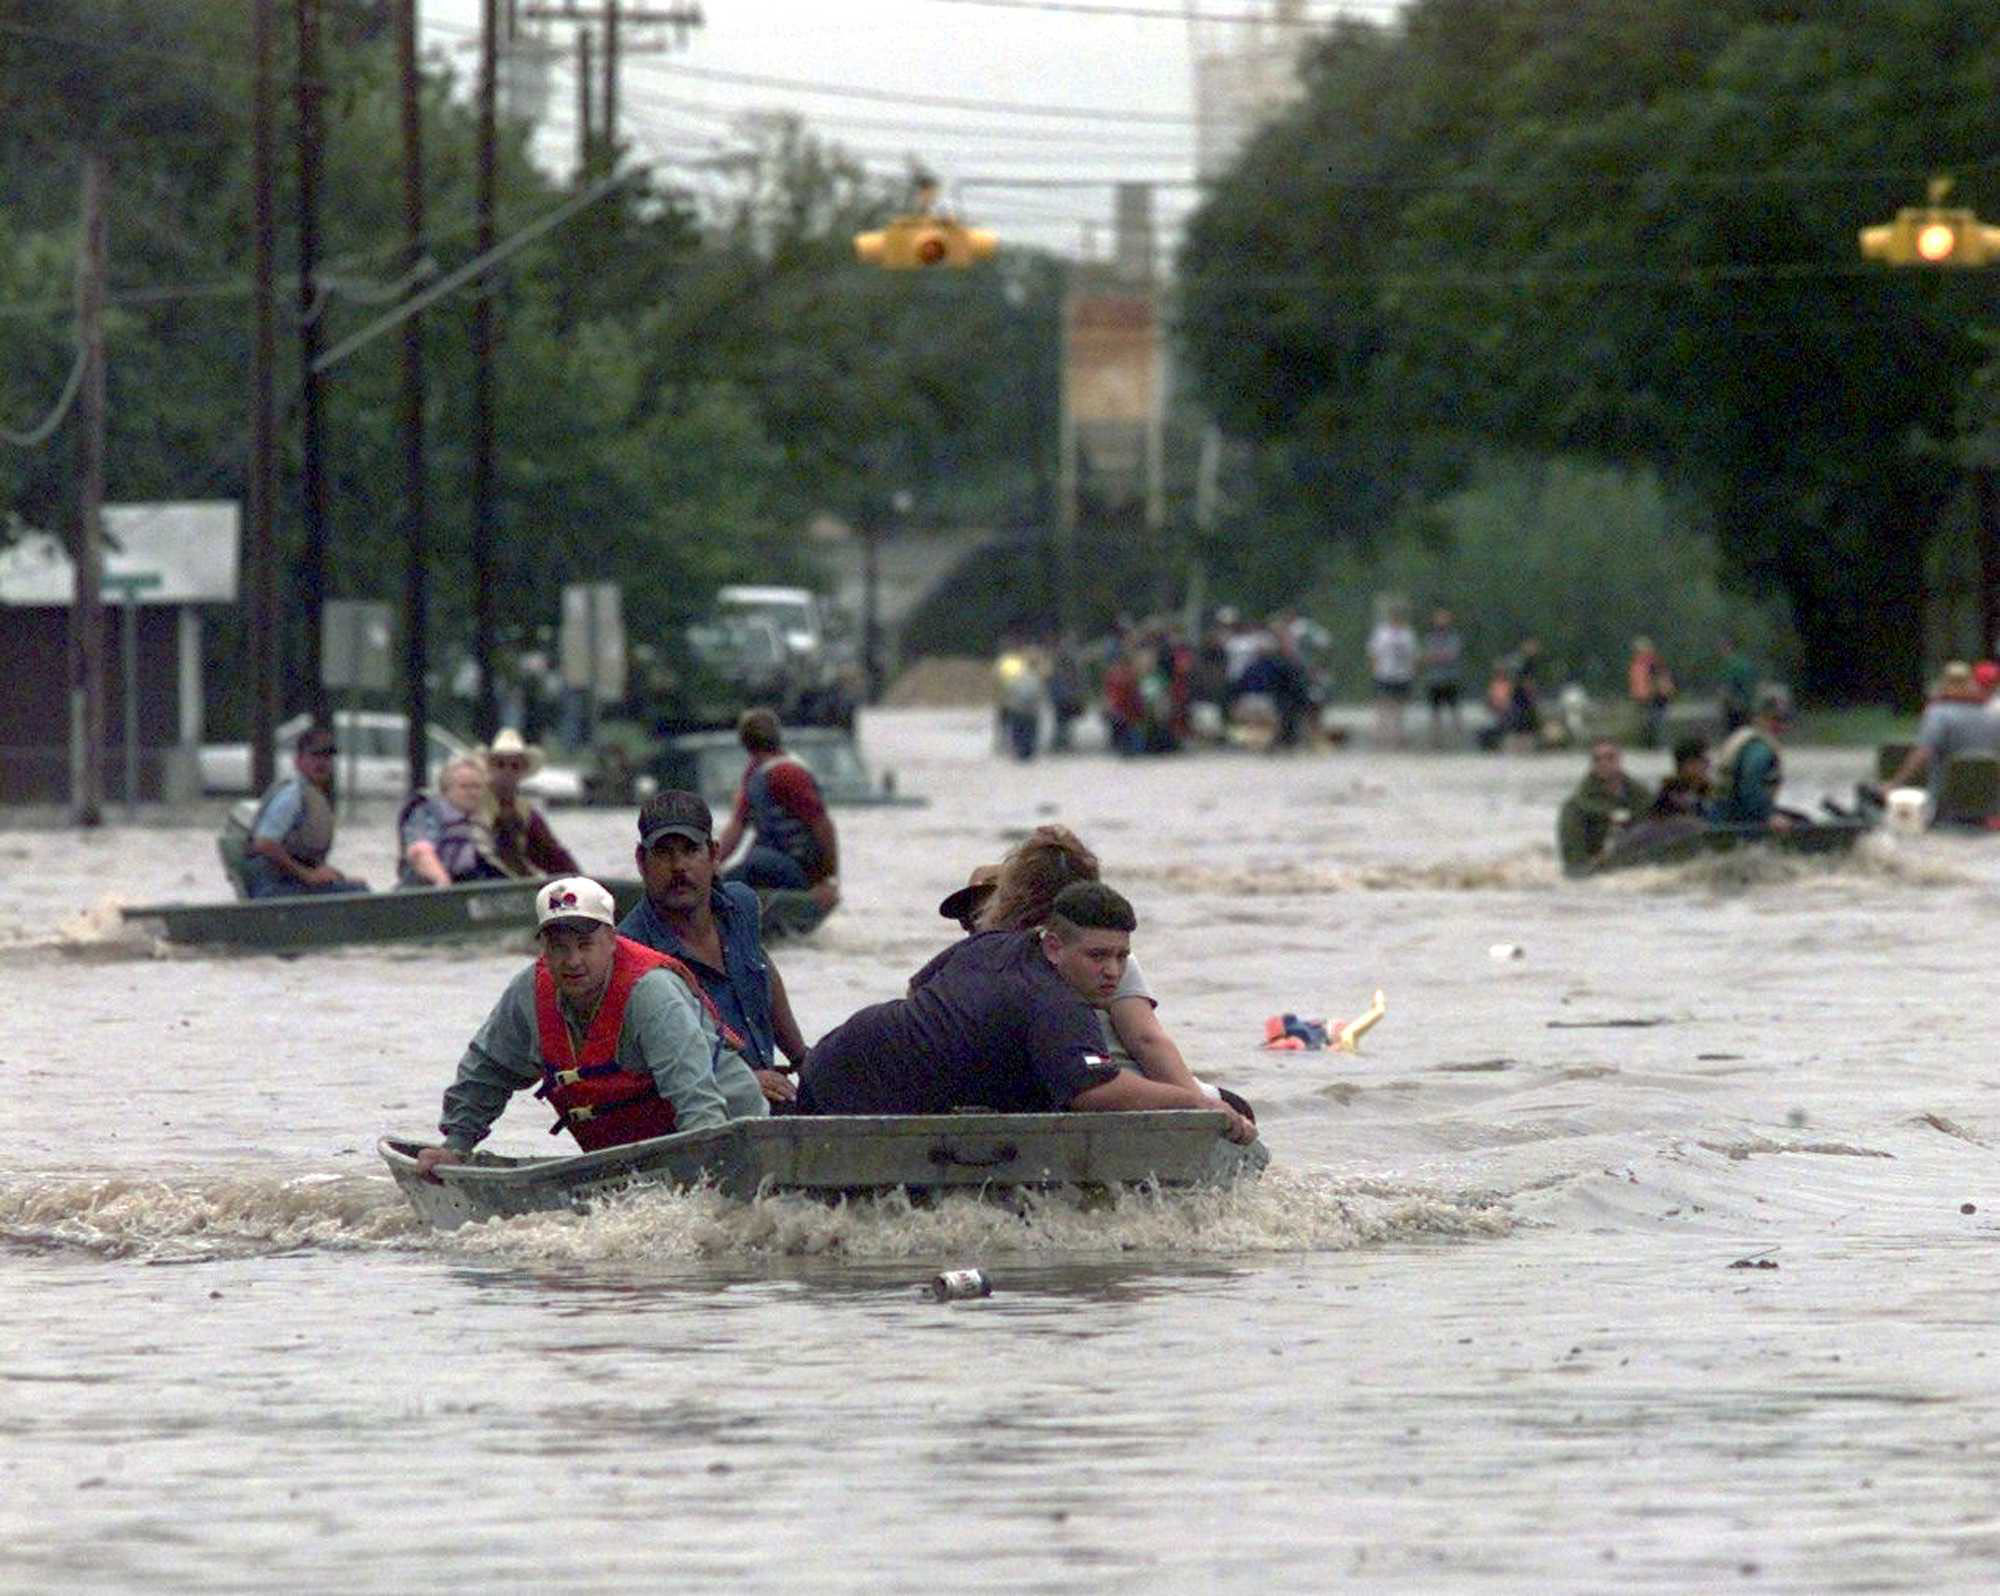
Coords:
1039,867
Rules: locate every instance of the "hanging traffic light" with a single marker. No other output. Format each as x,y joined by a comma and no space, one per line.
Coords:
1933,235
911,243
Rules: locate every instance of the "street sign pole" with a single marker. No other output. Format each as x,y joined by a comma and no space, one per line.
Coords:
128,589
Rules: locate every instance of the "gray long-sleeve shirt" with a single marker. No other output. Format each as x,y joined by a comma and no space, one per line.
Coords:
666,1034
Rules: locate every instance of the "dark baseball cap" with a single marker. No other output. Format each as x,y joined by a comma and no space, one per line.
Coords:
675,813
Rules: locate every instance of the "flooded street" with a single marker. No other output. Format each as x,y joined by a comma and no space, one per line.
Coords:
1657,1258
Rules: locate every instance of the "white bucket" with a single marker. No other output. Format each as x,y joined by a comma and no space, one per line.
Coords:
1907,810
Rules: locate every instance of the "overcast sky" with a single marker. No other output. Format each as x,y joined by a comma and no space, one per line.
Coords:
1060,102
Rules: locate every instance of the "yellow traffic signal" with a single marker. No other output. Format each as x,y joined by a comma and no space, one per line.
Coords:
911,243
1932,235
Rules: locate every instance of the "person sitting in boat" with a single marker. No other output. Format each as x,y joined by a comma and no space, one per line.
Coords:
442,838
1749,766
793,846
619,1039
1025,886
711,927
523,843
1604,804
292,832
1955,722
1685,791
1003,1020
963,906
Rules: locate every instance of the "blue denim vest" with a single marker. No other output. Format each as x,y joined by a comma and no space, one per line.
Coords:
741,990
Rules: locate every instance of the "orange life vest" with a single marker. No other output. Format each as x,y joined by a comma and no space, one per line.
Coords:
597,1101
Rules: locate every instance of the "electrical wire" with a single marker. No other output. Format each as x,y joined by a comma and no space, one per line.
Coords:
41,431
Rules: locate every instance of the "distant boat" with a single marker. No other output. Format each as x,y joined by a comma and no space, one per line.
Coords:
1671,842
306,922
839,1155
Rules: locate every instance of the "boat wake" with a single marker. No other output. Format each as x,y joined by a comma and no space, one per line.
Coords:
211,1219
1527,869
1875,858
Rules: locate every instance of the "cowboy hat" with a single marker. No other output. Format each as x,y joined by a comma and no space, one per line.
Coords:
509,741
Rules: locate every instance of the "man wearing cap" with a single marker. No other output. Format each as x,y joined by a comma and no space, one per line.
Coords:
292,832
779,802
1749,766
522,839
1955,722
712,927
963,906
620,1038
1004,1020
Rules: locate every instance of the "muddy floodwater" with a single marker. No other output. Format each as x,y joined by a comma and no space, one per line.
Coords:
1659,1257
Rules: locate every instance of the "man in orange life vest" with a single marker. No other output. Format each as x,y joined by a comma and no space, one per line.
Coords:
619,1040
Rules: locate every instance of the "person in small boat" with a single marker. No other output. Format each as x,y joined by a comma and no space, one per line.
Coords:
1604,804
711,927
1025,887
793,843
619,1040
523,842
1685,791
1955,722
1749,766
292,832
442,837
1002,1020
962,907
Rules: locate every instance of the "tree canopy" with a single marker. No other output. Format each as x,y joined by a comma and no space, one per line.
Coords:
1622,230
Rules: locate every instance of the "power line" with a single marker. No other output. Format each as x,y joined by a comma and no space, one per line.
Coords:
1156,14
40,432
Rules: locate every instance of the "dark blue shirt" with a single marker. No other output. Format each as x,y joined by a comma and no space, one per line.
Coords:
741,989
987,1022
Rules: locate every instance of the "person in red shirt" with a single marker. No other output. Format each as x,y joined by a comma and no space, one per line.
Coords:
793,844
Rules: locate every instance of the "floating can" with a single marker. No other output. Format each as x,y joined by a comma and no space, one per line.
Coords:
1503,952
955,1284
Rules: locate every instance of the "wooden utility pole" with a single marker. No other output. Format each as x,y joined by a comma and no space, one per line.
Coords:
614,16
416,592
486,714
86,614
263,562
312,478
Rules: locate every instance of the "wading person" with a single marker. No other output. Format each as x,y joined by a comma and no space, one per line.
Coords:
711,927
523,842
618,1038
793,846
292,832
1003,1020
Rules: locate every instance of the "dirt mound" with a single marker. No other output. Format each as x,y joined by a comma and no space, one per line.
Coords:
942,682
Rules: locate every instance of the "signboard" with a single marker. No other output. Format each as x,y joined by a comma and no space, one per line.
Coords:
357,644
593,639
1111,359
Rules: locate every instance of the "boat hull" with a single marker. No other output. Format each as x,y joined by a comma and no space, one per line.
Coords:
1672,843
337,919
840,1155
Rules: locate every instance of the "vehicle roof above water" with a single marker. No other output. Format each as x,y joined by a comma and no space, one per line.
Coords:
742,593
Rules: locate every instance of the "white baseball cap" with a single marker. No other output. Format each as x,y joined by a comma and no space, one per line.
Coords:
574,898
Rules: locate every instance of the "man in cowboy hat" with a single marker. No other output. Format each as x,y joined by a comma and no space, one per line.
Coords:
522,840
620,1038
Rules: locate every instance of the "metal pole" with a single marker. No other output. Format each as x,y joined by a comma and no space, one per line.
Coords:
87,608
583,110
130,649
312,479
263,417
871,605
486,713
1066,471
416,596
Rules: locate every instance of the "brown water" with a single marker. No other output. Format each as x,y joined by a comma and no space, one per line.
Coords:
1478,1329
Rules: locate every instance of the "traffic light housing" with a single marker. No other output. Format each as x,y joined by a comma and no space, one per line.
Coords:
1932,235
913,243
